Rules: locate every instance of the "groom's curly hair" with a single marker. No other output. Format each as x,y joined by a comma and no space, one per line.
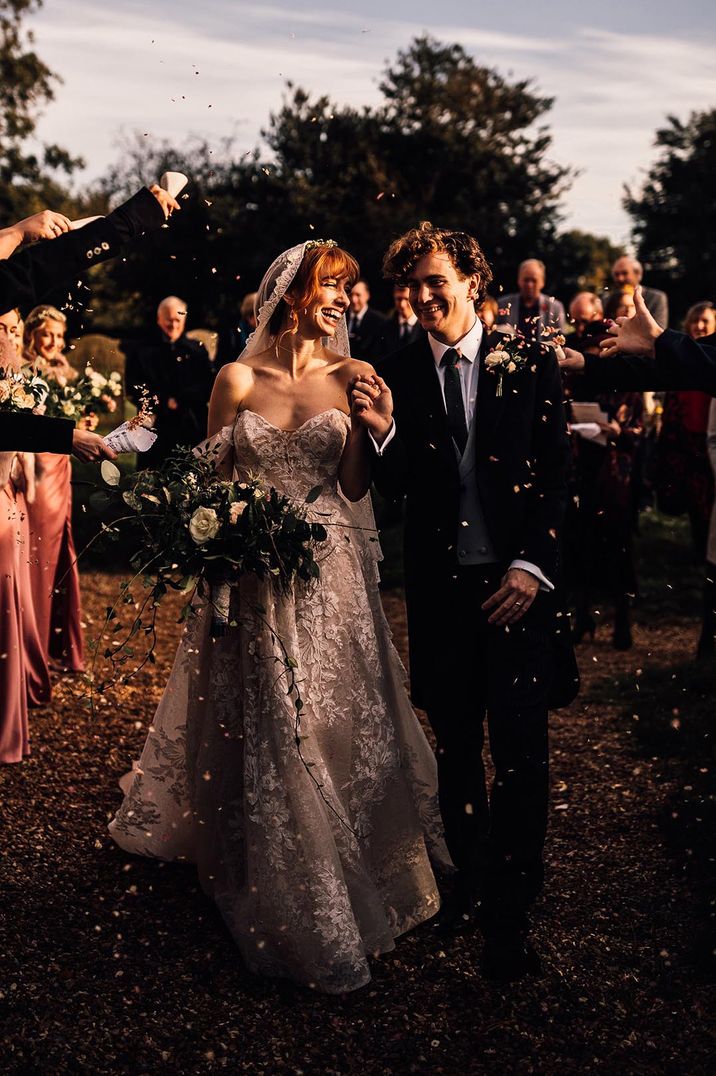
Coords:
464,252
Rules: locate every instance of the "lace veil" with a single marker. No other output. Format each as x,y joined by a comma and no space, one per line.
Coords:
276,282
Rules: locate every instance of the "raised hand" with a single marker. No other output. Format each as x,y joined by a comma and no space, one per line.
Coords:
165,200
371,404
633,336
44,225
516,594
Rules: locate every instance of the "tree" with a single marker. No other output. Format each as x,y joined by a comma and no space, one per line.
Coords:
674,213
28,182
451,141
581,262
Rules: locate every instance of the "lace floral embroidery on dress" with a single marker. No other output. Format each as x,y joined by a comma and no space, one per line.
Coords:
309,882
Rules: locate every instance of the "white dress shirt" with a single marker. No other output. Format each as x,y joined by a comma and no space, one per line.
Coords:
469,370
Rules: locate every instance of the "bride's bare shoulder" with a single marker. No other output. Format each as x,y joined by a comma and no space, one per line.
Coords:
234,379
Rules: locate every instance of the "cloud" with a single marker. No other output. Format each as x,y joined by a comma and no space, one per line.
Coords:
218,70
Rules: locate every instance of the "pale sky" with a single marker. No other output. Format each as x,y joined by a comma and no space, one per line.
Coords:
217,69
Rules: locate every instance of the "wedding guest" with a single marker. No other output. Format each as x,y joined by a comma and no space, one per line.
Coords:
487,312
177,372
607,485
707,641
638,355
24,679
30,273
529,310
54,573
585,311
11,328
24,676
401,327
233,338
622,303
365,325
627,272
684,478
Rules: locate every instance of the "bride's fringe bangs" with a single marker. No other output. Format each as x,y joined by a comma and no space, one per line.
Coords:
323,261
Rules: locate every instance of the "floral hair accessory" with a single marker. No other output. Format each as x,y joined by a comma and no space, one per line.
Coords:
312,243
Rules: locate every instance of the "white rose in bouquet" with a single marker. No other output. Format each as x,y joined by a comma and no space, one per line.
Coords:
203,525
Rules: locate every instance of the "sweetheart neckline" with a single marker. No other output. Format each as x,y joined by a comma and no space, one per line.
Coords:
280,429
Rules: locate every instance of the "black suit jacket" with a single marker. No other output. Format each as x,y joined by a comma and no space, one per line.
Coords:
391,340
25,432
365,342
32,272
181,371
679,363
521,469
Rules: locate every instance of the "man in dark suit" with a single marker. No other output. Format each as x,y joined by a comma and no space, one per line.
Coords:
627,272
365,326
529,310
177,372
483,470
401,327
31,272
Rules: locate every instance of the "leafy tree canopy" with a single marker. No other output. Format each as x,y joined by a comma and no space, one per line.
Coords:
674,213
30,179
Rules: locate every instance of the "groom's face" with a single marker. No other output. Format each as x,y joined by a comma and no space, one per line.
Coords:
443,300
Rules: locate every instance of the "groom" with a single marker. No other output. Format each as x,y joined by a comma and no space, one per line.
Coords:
483,473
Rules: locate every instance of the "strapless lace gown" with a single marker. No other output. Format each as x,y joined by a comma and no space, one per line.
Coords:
311,881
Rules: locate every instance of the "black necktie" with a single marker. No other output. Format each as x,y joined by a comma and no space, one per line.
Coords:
457,424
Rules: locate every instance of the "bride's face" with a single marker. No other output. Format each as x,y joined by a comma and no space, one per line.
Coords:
322,316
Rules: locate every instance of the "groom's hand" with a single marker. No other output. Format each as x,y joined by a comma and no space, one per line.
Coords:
371,403
510,603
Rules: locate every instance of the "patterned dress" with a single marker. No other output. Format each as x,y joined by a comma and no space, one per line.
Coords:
317,855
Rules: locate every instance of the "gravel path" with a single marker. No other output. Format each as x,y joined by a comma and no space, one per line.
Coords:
110,964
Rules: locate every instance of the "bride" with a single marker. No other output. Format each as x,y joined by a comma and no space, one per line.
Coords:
316,856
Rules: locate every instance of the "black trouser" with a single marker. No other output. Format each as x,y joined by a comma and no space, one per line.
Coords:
496,842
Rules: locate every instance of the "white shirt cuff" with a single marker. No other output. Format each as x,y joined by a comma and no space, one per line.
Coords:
380,449
527,566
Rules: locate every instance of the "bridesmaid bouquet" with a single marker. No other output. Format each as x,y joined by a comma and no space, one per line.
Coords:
192,528
83,397
21,390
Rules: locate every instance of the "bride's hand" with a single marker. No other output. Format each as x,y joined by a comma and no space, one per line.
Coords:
371,403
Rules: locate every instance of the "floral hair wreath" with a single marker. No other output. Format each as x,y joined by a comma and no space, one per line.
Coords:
313,243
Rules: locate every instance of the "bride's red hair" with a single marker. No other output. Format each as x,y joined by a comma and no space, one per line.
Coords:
318,263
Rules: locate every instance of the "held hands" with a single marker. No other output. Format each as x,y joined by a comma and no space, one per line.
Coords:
510,603
165,200
633,336
371,404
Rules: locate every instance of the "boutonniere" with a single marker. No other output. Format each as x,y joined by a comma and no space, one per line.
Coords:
514,352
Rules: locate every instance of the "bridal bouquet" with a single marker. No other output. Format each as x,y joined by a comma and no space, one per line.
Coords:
192,528
21,390
515,351
87,395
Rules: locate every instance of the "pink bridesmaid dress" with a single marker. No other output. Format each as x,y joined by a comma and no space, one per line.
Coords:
24,678
54,574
